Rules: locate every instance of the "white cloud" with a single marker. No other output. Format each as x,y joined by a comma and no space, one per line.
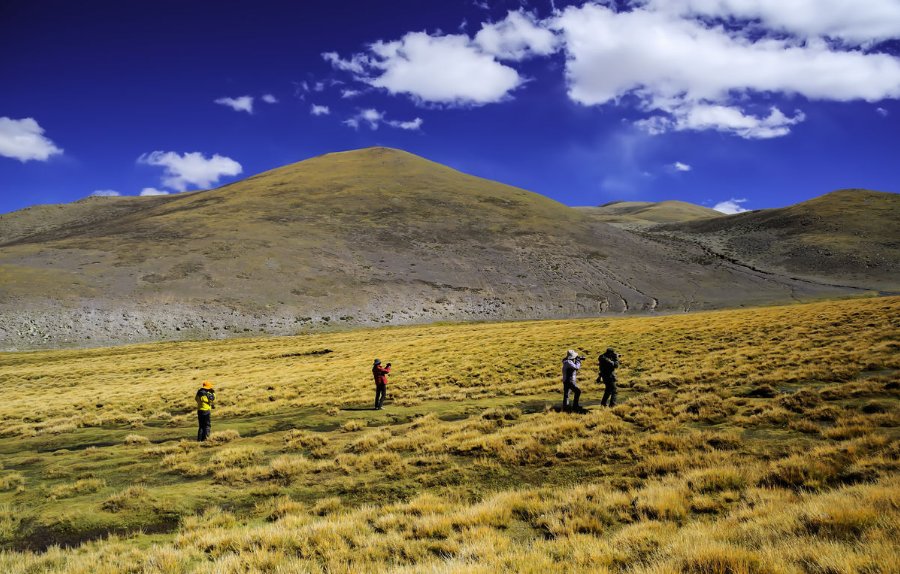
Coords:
408,125
24,140
374,118
106,193
240,104
881,112
371,117
269,99
699,117
153,191
447,69
349,93
731,206
317,110
516,37
678,166
357,64
696,73
191,168
857,23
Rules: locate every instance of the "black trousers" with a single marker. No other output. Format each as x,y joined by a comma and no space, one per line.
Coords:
576,394
204,422
380,392
610,394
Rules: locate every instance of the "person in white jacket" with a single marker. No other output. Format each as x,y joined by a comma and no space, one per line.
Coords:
570,366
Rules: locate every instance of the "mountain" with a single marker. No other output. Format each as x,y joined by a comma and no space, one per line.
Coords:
649,213
850,236
368,237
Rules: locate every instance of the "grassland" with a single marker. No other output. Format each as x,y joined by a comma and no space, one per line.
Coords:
750,441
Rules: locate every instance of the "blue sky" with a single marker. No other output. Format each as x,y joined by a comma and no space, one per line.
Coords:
742,103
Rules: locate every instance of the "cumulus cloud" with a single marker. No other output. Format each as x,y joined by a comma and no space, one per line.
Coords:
695,72
678,166
449,69
856,23
240,104
269,99
452,69
24,140
147,191
350,93
881,112
731,206
516,37
193,168
686,64
374,118
106,193
317,110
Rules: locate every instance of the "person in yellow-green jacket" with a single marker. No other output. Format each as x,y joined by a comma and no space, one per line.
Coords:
206,402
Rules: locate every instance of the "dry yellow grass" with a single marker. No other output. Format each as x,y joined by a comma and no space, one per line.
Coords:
755,441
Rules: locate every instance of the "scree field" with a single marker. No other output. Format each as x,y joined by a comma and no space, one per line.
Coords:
751,441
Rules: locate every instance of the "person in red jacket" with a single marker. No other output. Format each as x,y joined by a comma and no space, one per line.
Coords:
380,373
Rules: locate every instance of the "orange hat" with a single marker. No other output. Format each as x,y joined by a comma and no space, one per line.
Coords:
207,385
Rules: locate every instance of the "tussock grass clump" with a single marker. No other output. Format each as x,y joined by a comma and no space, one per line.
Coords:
717,479
80,486
369,441
186,463
11,481
314,443
277,508
222,437
133,497
209,518
287,467
327,506
10,519
136,440
353,426
240,457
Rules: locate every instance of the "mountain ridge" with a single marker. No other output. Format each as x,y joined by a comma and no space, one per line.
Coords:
358,238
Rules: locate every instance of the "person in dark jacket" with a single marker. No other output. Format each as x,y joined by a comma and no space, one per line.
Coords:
609,362
206,402
380,374
570,366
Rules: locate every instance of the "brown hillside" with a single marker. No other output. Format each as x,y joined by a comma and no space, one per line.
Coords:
649,213
849,236
368,237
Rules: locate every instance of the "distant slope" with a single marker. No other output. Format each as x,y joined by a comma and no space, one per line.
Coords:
33,221
851,236
648,213
367,237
